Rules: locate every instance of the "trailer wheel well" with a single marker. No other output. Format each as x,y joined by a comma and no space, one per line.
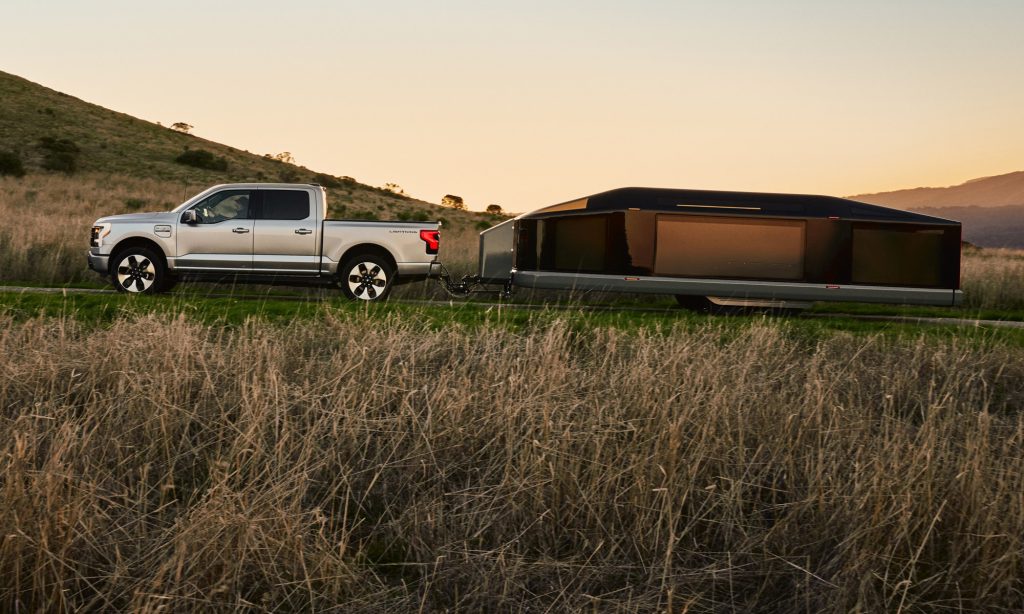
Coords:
368,249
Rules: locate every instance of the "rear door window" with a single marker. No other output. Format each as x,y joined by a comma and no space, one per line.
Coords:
285,205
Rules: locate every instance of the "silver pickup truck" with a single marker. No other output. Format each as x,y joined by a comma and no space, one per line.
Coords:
262,232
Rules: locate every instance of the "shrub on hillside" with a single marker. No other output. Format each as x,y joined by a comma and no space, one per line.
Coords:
200,158
327,181
363,215
59,154
413,216
288,175
10,164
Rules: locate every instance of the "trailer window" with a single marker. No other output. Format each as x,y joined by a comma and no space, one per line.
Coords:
896,256
580,243
729,247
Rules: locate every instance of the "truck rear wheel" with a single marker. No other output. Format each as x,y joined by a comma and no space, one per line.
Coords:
366,277
137,270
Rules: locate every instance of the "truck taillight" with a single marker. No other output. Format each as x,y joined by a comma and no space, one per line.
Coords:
433,240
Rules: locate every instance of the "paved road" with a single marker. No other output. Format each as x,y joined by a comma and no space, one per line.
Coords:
930,321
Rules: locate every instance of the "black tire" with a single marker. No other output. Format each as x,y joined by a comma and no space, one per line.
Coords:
138,270
366,277
700,304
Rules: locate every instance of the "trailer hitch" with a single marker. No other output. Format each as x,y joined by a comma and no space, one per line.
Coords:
469,284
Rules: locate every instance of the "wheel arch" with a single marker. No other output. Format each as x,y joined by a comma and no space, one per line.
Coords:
368,248
130,242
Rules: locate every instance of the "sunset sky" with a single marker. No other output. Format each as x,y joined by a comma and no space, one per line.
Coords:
529,103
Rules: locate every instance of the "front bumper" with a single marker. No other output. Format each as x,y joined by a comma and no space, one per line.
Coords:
99,263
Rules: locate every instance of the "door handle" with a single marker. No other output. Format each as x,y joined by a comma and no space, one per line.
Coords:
240,231
303,231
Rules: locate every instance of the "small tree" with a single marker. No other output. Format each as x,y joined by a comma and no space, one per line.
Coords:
494,210
394,188
286,157
181,127
453,201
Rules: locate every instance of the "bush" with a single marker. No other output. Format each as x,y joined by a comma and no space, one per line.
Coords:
200,158
134,204
483,225
414,216
10,164
364,215
327,181
59,154
288,175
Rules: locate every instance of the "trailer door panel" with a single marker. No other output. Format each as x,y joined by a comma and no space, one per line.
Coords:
728,247
897,255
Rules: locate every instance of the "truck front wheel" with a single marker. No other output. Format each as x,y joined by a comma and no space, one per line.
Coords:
138,270
366,277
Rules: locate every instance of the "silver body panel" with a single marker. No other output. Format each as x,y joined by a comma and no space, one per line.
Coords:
497,249
739,289
312,247
213,246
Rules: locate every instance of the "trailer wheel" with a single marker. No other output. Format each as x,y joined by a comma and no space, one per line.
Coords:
700,304
366,277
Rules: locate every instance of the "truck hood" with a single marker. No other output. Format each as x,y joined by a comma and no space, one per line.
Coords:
162,216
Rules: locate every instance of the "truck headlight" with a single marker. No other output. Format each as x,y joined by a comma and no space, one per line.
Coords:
99,231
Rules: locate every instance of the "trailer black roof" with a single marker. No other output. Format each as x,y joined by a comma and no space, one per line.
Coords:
740,203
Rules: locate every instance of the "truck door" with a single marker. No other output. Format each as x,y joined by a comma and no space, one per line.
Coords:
286,232
221,237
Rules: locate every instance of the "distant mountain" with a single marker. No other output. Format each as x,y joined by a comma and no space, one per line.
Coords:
997,191
990,208
986,226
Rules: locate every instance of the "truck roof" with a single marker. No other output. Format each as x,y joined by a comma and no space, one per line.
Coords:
251,186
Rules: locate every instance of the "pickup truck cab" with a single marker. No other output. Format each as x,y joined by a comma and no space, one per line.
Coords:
263,233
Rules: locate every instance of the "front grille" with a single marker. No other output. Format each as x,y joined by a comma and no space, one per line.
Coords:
94,236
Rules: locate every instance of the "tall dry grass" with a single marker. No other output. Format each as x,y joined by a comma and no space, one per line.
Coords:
993,278
366,465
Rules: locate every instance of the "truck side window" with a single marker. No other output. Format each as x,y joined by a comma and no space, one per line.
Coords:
285,205
222,206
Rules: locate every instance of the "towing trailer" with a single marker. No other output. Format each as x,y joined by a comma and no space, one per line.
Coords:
731,247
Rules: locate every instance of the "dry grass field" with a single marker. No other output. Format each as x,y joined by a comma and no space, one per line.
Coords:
362,462
359,464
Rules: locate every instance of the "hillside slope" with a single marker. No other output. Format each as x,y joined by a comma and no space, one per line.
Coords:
115,143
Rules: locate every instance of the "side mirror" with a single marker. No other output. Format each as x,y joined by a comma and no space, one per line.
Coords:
190,217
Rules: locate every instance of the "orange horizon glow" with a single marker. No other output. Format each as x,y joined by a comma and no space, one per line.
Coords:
529,104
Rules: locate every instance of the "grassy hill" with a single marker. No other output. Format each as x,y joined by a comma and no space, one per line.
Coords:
49,131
